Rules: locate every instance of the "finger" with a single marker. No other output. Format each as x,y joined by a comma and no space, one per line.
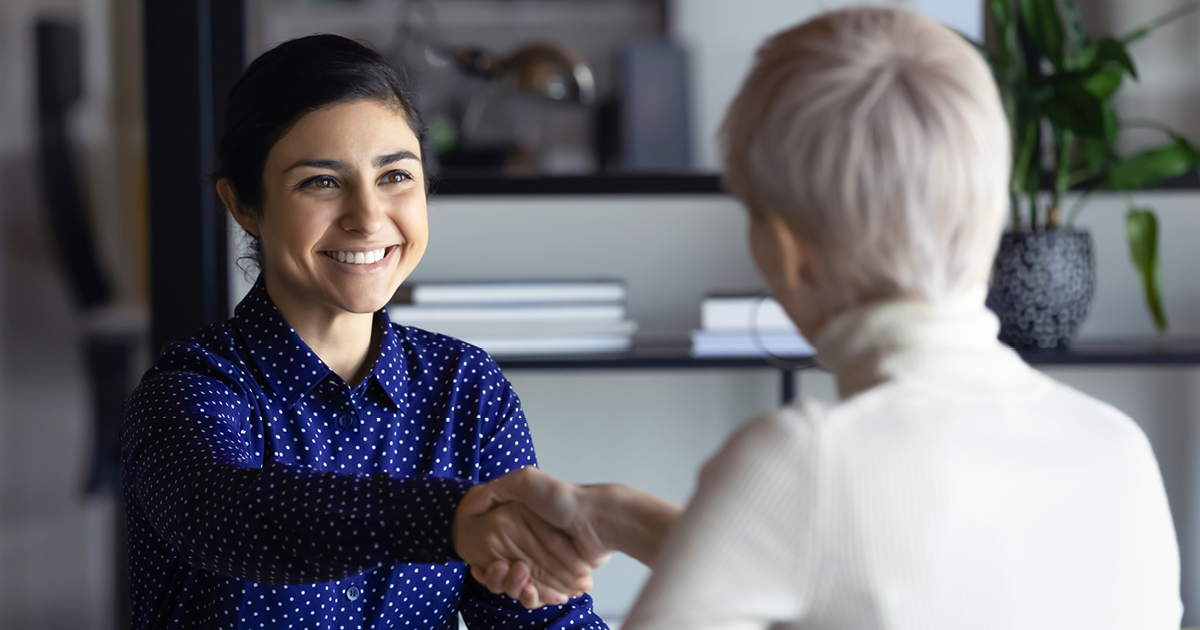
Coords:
480,576
503,489
479,499
549,596
529,597
492,576
517,579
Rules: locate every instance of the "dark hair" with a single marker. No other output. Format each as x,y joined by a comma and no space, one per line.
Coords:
285,83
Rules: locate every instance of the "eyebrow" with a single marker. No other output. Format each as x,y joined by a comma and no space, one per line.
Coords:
335,165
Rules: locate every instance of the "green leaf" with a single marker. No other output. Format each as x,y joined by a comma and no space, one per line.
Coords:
1141,226
1045,28
1112,51
1104,84
1150,167
1072,106
1026,168
1112,124
1001,15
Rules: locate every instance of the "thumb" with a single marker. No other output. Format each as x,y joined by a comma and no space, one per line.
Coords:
488,495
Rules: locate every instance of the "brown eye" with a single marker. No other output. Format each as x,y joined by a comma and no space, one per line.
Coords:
320,181
396,177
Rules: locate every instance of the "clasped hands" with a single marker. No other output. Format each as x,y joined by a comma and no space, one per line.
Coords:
538,539
533,537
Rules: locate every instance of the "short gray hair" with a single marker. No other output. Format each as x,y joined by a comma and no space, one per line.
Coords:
879,135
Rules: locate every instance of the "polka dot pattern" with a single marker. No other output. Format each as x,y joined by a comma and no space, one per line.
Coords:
263,492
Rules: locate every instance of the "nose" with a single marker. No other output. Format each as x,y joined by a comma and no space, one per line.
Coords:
364,212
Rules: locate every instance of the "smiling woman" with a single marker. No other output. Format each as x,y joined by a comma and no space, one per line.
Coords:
302,463
341,223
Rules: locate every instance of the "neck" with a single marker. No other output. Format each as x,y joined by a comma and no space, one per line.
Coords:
346,342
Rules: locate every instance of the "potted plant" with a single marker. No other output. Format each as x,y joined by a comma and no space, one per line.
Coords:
1058,85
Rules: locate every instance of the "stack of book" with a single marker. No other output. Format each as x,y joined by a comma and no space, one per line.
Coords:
522,317
741,325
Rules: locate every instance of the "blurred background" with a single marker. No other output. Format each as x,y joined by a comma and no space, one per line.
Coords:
571,138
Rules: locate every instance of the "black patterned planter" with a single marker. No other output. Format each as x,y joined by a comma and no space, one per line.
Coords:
1042,287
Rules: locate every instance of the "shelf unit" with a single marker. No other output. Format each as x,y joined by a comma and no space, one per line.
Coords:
676,355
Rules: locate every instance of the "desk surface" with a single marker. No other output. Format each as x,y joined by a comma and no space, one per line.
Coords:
676,355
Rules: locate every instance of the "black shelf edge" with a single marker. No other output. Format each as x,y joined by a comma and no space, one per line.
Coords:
677,356
602,184
655,184
653,355
1135,352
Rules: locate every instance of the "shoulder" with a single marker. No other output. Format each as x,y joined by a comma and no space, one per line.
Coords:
1096,422
776,443
209,358
429,348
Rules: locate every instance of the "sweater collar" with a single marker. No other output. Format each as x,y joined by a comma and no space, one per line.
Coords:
882,341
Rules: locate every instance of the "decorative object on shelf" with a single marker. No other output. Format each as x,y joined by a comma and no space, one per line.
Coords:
544,69
522,318
1042,287
505,91
1058,85
746,326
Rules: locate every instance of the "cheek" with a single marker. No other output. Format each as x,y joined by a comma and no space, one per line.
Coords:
413,222
291,230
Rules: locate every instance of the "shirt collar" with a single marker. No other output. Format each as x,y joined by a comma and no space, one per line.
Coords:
389,370
291,368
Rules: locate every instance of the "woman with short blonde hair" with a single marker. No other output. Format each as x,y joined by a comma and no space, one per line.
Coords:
951,486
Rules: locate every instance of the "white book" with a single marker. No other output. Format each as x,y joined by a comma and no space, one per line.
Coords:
553,345
744,313
509,329
740,344
429,316
518,292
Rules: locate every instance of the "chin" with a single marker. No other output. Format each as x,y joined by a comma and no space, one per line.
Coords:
363,301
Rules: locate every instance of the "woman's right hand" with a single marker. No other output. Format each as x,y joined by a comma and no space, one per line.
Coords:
528,558
599,519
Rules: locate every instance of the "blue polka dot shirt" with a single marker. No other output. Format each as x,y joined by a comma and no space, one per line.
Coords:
263,492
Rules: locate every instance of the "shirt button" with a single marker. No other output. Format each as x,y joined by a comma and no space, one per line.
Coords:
352,593
346,421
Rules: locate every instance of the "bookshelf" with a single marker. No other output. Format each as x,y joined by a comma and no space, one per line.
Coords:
675,355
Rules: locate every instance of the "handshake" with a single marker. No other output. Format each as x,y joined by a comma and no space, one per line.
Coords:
538,539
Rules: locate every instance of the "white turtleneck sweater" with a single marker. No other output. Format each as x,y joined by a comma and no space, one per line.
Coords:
952,487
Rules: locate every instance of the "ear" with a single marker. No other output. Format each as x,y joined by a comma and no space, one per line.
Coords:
795,258
235,207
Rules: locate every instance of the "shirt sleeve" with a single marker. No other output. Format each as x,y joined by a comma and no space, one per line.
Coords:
744,553
191,474
506,448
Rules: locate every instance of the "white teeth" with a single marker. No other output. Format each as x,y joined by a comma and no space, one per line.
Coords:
359,258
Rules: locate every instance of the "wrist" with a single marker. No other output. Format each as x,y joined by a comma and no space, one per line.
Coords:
606,507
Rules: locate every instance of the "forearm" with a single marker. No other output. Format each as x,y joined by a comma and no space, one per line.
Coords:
278,525
631,521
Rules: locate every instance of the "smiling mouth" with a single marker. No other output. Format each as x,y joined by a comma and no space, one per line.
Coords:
361,258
